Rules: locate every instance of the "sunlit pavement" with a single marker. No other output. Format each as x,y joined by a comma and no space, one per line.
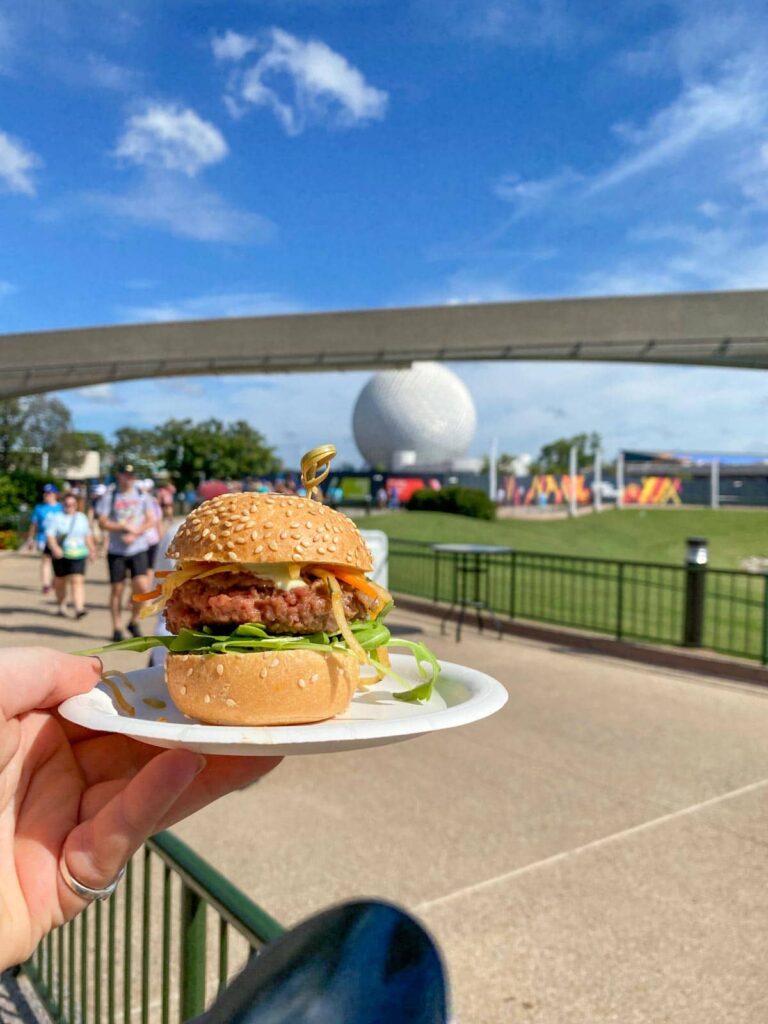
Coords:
595,852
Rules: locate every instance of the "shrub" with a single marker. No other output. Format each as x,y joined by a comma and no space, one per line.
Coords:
10,540
461,501
20,491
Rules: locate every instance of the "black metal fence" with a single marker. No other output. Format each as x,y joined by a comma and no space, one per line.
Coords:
168,940
625,599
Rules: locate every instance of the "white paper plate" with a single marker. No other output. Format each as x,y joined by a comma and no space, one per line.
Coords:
462,695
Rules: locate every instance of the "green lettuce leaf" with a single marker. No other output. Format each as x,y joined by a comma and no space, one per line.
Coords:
253,637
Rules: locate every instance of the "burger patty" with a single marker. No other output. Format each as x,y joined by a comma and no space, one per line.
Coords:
230,599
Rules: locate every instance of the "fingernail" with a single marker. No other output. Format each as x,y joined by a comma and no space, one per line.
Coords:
99,666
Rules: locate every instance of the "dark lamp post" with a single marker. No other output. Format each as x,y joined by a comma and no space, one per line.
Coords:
696,552
696,558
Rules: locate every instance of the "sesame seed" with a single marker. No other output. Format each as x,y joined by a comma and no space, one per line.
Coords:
214,520
314,677
230,703
283,534
272,545
233,555
207,698
295,526
263,673
230,544
302,682
308,525
183,689
208,556
185,657
255,535
268,525
274,663
219,547
212,537
258,548
206,531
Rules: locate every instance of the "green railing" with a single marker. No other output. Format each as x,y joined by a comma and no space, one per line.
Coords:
625,599
159,950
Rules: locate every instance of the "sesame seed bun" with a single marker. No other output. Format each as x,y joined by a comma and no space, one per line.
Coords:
270,688
269,528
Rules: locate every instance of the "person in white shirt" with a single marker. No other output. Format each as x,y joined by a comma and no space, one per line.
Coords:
69,538
126,514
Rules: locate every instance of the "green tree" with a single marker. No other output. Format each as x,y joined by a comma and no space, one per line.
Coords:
35,429
192,452
554,457
144,449
11,432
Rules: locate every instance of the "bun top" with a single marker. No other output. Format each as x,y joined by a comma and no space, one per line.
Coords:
269,528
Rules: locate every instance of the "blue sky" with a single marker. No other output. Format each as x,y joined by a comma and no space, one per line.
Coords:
162,160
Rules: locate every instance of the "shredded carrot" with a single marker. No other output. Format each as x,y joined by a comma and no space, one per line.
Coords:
149,596
359,582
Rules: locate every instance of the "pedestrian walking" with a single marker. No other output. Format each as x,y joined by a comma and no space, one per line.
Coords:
126,514
37,537
70,541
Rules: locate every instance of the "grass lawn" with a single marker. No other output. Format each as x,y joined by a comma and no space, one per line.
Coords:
653,535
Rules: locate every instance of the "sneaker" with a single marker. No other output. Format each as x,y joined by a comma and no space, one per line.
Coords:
117,635
133,628
81,614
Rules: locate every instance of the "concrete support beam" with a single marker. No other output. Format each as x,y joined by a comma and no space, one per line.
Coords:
705,329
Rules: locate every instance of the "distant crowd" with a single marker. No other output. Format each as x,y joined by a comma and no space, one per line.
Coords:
123,522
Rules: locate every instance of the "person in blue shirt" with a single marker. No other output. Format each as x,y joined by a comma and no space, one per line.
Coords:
37,537
71,542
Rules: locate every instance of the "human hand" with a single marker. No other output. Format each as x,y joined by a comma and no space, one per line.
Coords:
92,798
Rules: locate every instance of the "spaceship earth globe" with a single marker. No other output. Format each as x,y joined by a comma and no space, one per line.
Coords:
425,409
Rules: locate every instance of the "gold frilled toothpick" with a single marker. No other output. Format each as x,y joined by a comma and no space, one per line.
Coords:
315,467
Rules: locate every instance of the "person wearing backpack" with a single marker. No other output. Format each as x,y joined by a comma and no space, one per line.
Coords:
70,540
125,514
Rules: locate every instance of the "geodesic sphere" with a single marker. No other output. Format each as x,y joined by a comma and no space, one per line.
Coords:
426,409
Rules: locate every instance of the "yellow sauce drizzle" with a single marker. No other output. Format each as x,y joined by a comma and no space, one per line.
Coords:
154,702
120,700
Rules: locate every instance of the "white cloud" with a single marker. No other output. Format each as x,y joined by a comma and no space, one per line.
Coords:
527,195
17,162
106,74
186,209
233,46
171,137
516,23
204,307
734,104
324,86
99,394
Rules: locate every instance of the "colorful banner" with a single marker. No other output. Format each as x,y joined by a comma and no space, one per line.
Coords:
654,490
552,489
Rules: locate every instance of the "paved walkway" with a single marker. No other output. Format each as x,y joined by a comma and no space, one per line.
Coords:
597,852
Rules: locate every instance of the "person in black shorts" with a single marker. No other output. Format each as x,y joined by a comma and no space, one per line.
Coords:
70,542
126,515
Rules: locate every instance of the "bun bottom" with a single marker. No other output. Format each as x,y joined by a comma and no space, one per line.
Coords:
269,688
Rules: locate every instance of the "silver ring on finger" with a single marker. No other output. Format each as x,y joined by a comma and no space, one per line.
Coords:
85,892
